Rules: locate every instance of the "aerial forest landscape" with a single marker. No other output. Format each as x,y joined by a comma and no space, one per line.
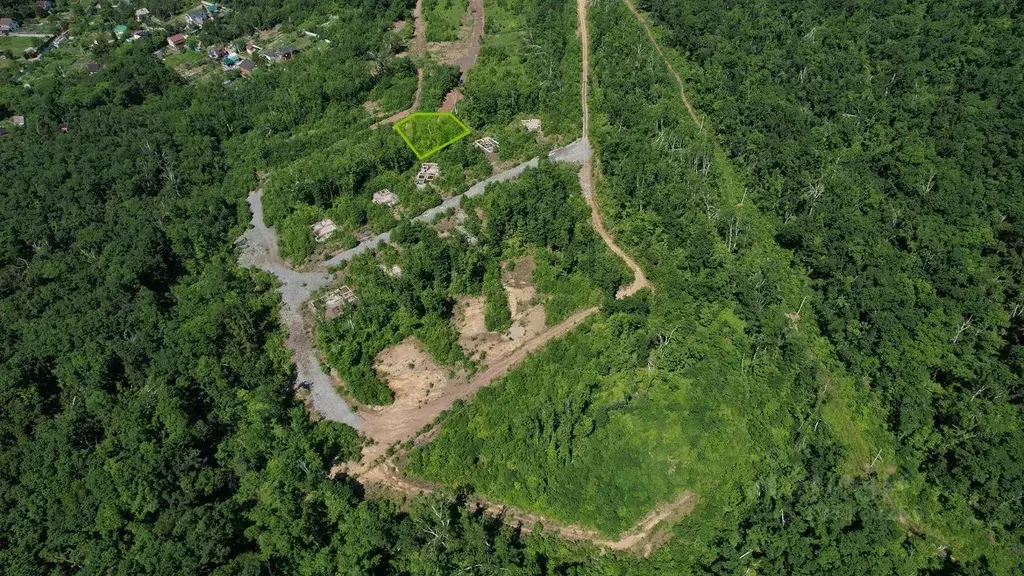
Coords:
530,287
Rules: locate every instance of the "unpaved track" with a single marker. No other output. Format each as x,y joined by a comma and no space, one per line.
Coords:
405,113
384,431
587,173
639,539
295,288
671,69
468,59
419,49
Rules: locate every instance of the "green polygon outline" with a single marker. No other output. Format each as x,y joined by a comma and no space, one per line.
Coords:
423,156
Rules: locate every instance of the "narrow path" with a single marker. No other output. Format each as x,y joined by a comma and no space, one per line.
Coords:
641,538
419,49
404,113
586,174
671,69
467,60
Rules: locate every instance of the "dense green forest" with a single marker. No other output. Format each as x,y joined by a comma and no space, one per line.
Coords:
146,421
885,139
830,359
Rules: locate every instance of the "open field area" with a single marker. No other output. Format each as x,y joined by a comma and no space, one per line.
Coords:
428,133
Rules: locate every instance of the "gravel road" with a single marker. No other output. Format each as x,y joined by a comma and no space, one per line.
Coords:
260,251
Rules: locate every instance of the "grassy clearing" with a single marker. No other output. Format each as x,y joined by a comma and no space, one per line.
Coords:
427,133
444,18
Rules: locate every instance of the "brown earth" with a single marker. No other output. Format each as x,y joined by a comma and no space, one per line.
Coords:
586,174
646,536
423,389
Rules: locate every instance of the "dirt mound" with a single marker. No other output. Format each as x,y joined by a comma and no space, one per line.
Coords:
416,379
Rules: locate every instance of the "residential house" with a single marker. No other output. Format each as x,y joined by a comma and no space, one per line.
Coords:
251,48
44,4
282,54
176,41
120,30
18,121
139,34
141,14
531,124
246,67
195,18
7,26
93,67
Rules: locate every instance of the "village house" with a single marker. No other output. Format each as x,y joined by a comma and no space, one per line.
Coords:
281,55
323,229
428,173
195,18
245,67
93,67
176,41
141,14
251,48
7,26
385,197
18,121
139,34
44,4
120,30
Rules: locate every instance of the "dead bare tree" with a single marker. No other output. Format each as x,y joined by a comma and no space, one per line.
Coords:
964,327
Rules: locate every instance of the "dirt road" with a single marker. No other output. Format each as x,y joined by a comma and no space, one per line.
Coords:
644,537
260,251
385,429
671,69
586,174
419,50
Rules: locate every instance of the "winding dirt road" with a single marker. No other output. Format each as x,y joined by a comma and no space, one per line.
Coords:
671,69
586,174
419,49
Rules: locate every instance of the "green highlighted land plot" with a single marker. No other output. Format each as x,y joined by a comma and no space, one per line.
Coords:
427,133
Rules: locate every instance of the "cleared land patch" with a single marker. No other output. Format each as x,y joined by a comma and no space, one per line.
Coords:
427,133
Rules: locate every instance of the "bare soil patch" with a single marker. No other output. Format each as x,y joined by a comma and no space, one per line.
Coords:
528,317
416,379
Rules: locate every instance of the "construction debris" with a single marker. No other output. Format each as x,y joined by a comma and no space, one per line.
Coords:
385,197
336,299
487,144
428,173
363,235
531,124
323,229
